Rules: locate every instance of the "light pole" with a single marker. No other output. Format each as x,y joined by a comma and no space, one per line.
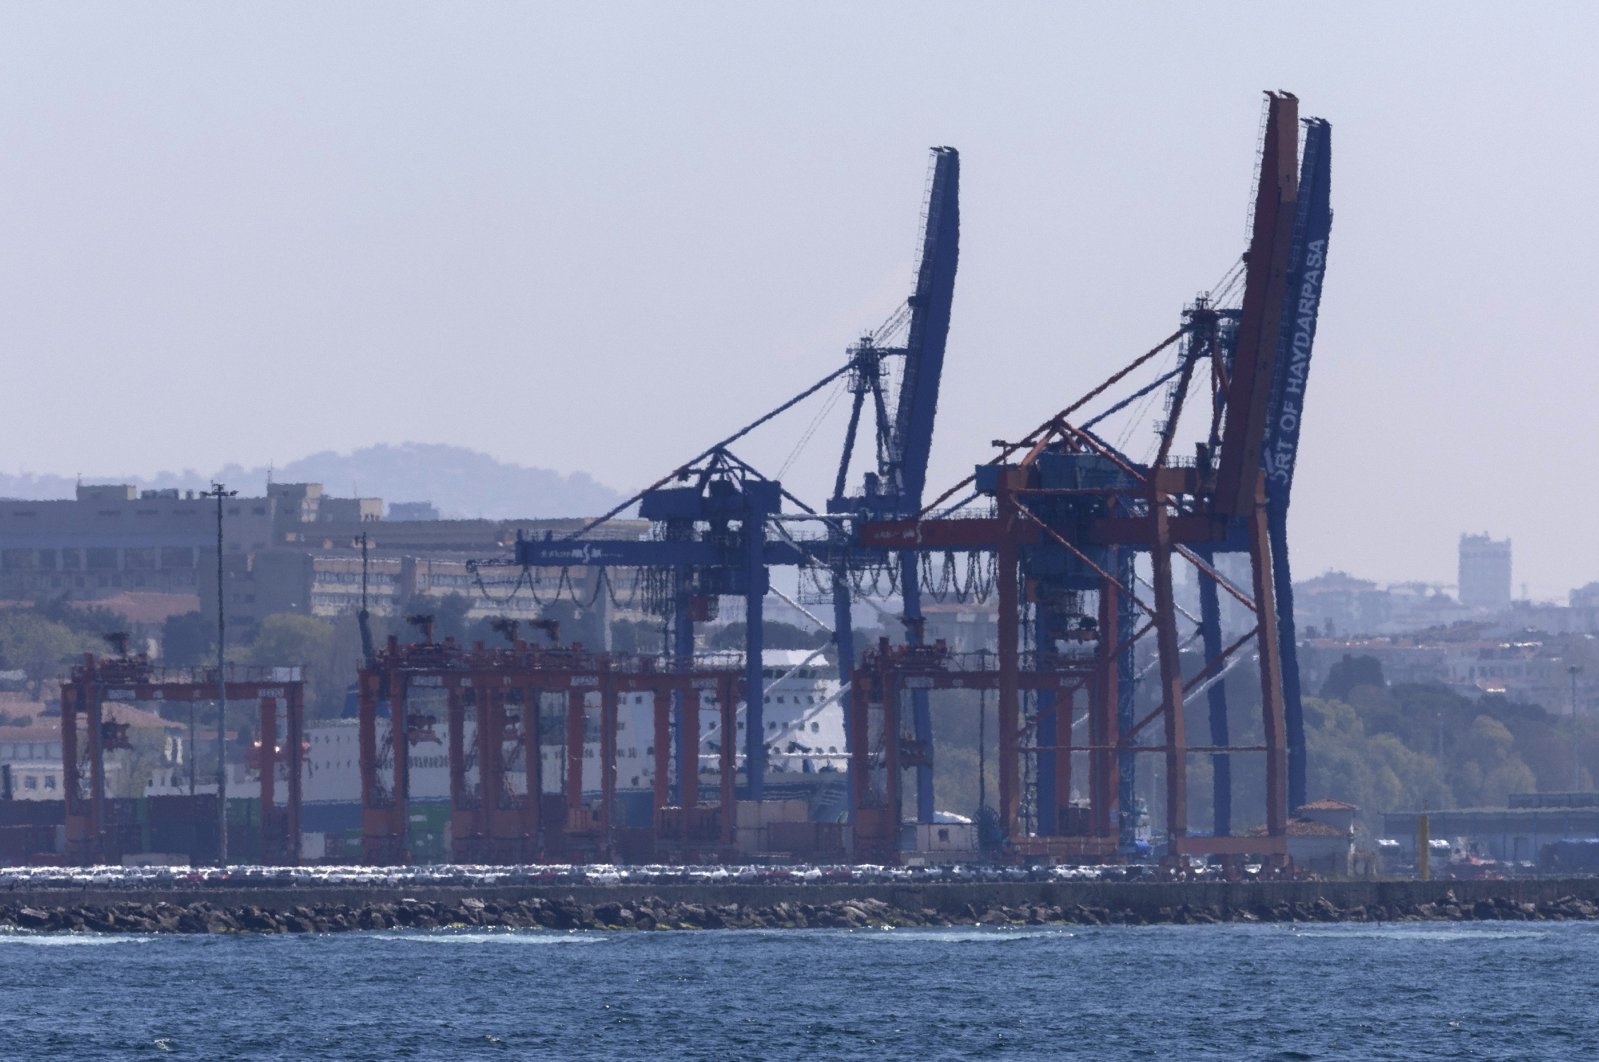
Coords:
1576,758
219,492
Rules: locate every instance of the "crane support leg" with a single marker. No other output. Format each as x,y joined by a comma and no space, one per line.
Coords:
1048,732
688,748
533,758
844,640
1171,679
490,729
374,820
858,741
295,706
1102,763
1127,760
462,825
754,706
1288,650
1271,687
892,794
727,705
662,750
1009,717
921,710
272,836
78,810
686,701
97,775
1216,696
400,737
575,727
608,720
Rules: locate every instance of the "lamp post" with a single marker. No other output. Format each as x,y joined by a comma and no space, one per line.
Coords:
219,492
1576,758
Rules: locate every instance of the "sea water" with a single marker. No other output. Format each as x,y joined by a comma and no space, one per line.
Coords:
1356,991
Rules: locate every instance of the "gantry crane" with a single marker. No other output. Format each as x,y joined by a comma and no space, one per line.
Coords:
893,489
1279,457
1070,510
720,526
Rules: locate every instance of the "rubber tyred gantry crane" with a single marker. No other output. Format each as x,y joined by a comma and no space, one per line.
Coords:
503,808
87,735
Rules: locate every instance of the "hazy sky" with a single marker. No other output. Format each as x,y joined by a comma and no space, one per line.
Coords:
596,237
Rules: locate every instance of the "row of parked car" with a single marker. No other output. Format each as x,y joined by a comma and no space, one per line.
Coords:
540,874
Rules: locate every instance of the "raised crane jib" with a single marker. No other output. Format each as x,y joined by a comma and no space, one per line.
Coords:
1301,304
929,331
1238,474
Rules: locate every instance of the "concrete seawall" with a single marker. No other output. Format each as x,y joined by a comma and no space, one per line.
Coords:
948,899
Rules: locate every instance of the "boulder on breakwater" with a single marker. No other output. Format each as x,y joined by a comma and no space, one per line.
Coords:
654,913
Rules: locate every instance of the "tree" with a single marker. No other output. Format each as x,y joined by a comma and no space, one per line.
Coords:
579,625
777,635
287,639
637,636
84,617
38,646
309,642
188,639
449,614
1350,672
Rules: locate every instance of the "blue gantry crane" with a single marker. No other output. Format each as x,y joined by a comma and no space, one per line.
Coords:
1302,303
719,524
893,488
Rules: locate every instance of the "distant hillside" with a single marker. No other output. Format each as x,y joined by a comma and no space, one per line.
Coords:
460,482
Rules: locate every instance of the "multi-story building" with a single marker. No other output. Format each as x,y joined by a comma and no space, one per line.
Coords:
1338,603
297,549
115,538
1585,609
30,759
1484,572
30,756
315,568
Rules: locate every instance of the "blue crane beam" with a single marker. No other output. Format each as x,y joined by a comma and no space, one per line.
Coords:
918,408
904,441
1302,305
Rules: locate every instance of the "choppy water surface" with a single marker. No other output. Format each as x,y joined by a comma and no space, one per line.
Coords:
1482,990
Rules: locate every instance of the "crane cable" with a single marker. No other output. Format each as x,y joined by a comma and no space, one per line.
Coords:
810,429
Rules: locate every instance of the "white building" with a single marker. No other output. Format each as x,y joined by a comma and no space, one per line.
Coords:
31,756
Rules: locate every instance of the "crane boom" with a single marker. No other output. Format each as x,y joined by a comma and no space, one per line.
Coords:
1301,306
1249,393
929,329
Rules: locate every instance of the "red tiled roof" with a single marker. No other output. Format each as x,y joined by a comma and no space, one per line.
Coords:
1304,828
1326,804
138,718
30,733
112,712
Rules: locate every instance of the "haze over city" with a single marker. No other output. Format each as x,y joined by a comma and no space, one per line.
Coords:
595,239
398,601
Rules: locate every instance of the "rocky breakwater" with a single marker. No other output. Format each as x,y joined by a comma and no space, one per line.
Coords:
651,913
